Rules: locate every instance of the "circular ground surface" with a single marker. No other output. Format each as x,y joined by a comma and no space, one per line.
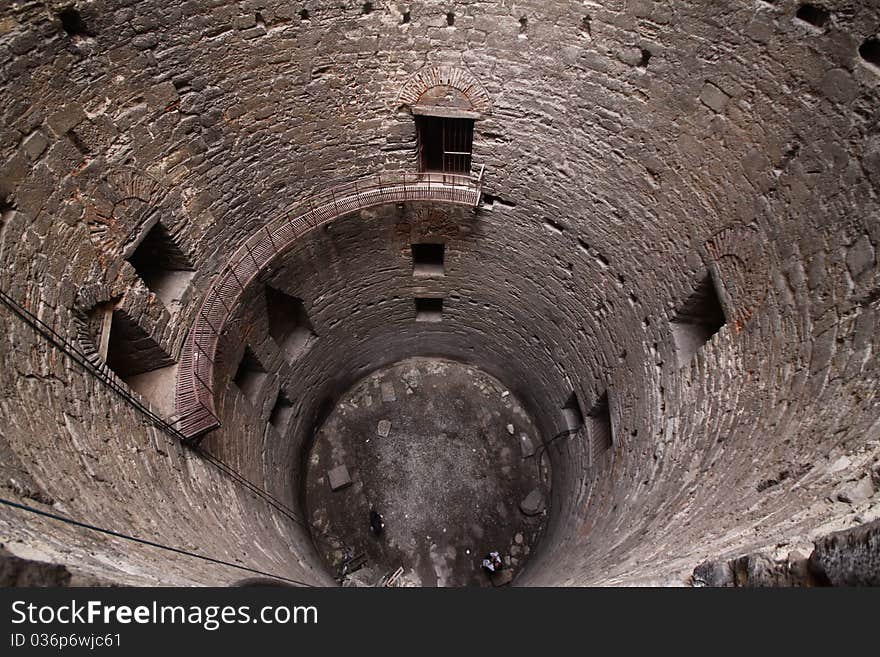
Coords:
446,454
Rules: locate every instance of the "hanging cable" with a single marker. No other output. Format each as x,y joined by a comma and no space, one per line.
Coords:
72,352
543,448
143,541
60,343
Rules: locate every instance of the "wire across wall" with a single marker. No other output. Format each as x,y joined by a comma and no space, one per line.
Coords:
109,532
108,379
453,188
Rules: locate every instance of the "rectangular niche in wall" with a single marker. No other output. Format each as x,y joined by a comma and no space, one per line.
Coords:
697,320
136,358
162,266
601,435
429,309
282,412
572,414
445,144
130,350
289,323
250,376
428,259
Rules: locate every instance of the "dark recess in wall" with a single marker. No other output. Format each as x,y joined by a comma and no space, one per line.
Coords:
601,435
813,15
289,323
429,309
130,350
586,25
869,51
250,375
445,144
282,411
699,318
572,414
72,22
428,259
161,264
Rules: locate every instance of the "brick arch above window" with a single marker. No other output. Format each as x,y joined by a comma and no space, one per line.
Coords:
445,91
117,206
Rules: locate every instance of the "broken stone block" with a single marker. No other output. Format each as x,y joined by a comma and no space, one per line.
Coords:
533,504
339,478
66,118
388,394
713,97
384,428
857,492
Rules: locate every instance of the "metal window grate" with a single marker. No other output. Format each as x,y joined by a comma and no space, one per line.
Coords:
445,144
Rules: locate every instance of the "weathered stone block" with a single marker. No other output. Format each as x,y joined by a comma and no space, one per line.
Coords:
533,503
66,118
339,478
857,492
713,98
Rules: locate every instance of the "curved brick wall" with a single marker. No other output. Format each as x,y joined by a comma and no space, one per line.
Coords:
631,148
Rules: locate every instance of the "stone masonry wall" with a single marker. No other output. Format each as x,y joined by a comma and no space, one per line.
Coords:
632,147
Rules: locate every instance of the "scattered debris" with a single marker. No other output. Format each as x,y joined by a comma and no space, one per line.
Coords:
392,579
492,563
